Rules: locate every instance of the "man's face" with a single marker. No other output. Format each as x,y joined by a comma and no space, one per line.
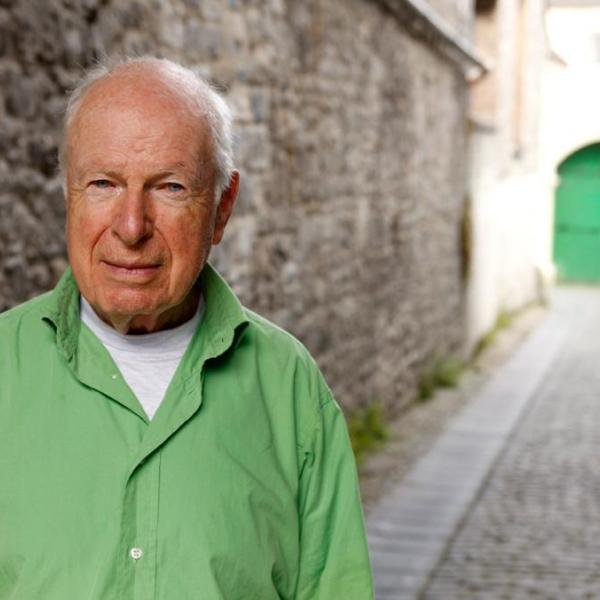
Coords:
141,212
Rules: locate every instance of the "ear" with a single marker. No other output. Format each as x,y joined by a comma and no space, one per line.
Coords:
225,207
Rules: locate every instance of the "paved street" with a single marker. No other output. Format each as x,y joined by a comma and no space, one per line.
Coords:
506,505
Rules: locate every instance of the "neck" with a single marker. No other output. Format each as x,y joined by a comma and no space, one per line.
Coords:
140,324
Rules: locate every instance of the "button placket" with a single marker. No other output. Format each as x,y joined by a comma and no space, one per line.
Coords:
143,542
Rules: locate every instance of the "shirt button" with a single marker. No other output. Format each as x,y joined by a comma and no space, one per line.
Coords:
136,553
114,375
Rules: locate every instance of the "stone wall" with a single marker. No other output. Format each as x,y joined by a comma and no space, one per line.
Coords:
351,144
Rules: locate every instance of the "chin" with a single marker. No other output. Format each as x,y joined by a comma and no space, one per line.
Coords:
129,303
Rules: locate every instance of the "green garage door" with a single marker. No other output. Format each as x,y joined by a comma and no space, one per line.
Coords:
577,217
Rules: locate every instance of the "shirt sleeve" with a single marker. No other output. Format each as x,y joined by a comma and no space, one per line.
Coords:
334,559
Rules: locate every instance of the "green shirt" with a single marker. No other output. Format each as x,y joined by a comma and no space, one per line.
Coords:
243,486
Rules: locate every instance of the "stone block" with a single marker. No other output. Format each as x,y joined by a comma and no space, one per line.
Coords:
253,148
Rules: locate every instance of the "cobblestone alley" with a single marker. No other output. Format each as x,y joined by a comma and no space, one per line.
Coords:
506,505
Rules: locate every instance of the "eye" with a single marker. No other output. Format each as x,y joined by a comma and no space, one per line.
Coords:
173,187
101,184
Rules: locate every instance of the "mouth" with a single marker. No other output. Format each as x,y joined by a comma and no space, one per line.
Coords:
132,271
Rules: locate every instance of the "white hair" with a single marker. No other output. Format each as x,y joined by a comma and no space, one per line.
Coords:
204,101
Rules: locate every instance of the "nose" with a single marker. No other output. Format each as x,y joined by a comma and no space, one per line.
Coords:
132,222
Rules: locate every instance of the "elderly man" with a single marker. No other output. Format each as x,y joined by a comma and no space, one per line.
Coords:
157,439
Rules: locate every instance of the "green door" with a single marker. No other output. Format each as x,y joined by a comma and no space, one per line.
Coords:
577,217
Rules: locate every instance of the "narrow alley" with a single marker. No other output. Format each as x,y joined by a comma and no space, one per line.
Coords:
504,505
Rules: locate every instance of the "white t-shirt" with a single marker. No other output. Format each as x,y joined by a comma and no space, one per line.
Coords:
148,361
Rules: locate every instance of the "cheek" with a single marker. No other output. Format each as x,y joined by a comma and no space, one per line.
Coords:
190,246
188,252
84,227
81,241
75,236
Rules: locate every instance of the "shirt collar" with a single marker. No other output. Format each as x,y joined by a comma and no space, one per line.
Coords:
223,320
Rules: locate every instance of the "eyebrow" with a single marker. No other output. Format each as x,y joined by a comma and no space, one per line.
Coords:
197,178
94,167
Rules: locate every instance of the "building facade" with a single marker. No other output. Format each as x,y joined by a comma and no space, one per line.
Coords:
509,208
571,137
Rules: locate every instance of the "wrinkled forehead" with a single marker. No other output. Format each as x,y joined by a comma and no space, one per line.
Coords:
143,90
139,112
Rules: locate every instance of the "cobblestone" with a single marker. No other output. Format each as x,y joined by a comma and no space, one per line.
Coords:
535,530
505,504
